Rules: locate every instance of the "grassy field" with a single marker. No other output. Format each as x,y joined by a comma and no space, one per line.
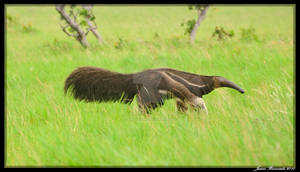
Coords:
45,128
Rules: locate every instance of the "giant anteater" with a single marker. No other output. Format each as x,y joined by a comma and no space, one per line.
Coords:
151,86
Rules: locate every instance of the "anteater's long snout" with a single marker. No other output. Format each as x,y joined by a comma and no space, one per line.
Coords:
223,82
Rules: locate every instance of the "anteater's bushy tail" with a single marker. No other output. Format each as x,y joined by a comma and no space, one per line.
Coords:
96,84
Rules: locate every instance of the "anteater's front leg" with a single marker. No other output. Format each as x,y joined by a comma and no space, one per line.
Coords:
202,105
182,107
178,90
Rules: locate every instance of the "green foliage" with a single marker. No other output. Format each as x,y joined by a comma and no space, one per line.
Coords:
156,35
28,28
222,34
83,23
120,44
83,12
190,7
248,34
71,30
92,18
189,26
11,19
199,7
79,15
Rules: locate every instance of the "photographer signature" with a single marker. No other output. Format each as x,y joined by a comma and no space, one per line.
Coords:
275,168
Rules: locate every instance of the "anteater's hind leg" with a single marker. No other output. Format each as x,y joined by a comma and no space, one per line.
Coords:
181,106
148,99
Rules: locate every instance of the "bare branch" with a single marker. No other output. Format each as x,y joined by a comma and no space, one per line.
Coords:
95,25
201,16
87,6
69,34
73,14
74,25
92,28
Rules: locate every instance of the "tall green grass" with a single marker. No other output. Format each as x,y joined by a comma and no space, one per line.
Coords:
43,127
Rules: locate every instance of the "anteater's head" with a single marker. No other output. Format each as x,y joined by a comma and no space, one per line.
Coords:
220,81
